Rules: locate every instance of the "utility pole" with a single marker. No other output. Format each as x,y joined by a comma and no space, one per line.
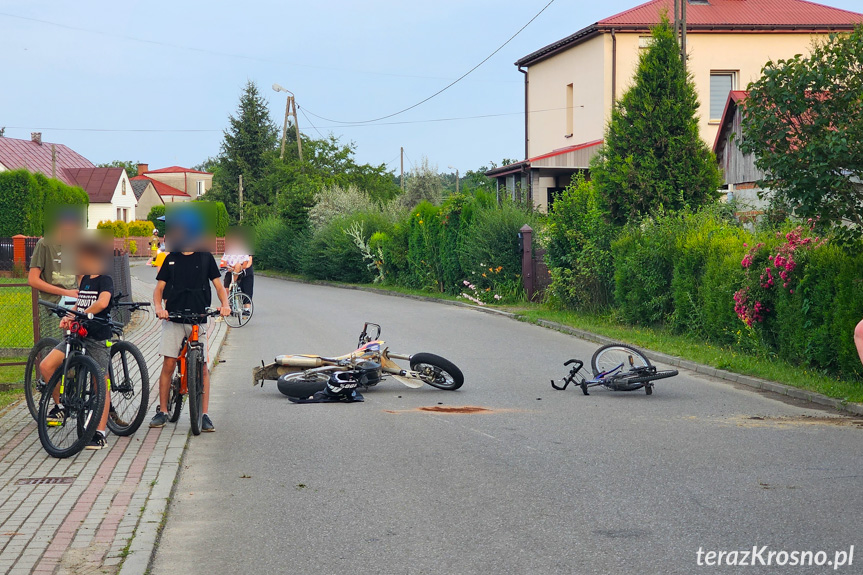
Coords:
240,193
402,179
683,32
297,126
285,128
456,178
290,110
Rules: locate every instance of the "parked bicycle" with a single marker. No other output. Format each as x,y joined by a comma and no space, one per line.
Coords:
78,386
617,367
240,303
127,375
189,379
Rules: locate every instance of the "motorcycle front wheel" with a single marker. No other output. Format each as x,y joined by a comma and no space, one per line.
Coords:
437,371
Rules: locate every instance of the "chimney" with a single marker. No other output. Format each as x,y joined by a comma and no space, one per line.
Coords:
36,137
142,168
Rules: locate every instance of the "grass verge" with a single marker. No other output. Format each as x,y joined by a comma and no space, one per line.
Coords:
661,340
656,339
10,397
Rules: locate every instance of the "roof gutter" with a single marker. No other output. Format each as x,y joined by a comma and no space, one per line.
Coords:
526,111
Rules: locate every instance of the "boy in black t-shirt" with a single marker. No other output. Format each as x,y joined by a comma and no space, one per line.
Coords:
94,296
183,284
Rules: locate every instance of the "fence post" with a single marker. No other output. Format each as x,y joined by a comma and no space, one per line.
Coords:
526,240
19,252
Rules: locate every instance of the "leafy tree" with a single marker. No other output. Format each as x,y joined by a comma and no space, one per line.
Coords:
247,148
423,184
130,167
804,123
654,158
157,212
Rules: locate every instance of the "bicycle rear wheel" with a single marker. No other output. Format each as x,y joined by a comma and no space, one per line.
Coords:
34,383
241,310
130,388
609,357
175,400
82,395
195,383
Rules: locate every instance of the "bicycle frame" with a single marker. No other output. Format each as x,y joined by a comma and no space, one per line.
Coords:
191,341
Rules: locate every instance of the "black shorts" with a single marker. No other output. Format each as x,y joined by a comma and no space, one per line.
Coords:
246,281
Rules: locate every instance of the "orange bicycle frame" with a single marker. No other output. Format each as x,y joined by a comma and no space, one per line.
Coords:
181,360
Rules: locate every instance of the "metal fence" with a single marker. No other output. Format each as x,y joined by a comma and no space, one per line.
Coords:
7,254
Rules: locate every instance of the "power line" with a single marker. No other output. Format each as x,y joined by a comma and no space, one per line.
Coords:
397,123
410,161
448,86
216,52
310,122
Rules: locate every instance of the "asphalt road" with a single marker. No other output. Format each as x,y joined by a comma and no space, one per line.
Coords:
547,482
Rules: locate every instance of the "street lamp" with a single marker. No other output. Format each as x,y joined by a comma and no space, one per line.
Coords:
290,108
456,177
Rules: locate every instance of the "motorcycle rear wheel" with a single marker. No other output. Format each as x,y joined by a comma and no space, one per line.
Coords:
302,384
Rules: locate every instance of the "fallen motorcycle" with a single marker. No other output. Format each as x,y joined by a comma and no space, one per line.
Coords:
302,376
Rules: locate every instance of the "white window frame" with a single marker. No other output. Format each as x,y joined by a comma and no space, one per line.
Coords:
733,74
201,188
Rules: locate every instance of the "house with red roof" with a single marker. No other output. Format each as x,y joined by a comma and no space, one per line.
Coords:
109,189
178,184
572,84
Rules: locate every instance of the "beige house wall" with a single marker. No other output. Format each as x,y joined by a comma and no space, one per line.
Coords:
582,66
186,181
146,202
588,66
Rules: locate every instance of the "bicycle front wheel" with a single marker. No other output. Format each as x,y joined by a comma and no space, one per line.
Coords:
81,390
241,310
617,355
130,388
34,383
195,383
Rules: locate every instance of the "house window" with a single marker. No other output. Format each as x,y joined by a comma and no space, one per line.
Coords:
569,103
645,42
721,83
201,189
123,187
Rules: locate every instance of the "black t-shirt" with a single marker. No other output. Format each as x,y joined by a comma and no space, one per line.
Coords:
187,279
88,292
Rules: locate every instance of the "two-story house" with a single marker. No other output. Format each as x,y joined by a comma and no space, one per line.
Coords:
109,189
571,85
193,184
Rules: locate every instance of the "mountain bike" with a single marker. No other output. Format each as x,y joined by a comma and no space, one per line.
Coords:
617,367
79,389
240,303
127,372
189,379
128,378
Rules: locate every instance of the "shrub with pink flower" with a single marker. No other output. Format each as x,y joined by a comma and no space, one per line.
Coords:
751,303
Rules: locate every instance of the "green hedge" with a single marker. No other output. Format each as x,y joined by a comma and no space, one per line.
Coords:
435,248
685,271
26,198
118,228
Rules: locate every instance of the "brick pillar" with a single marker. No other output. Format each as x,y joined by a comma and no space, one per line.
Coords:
19,251
526,236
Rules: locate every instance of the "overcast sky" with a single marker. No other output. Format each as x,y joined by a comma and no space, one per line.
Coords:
181,64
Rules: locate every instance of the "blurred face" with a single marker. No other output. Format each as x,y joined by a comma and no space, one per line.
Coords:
90,262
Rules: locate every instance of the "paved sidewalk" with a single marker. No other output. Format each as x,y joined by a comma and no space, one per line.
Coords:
98,510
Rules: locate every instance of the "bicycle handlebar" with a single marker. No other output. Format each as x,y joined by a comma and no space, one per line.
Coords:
61,311
193,316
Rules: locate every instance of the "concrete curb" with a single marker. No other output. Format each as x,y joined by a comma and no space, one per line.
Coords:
749,381
143,546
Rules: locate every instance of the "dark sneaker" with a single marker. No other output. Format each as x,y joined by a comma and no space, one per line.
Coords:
98,442
56,416
118,421
207,423
159,420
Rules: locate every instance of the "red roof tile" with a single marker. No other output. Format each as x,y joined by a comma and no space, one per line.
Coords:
162,188
16,154
742,15
175,170
99,183
796,13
